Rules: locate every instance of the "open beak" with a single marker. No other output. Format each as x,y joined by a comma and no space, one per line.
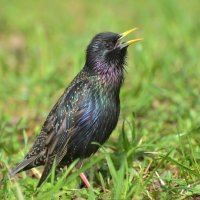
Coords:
125,44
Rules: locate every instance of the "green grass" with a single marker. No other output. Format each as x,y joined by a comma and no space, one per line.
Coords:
154,153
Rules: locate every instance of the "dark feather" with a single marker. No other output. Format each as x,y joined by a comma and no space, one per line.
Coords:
47,168
87,112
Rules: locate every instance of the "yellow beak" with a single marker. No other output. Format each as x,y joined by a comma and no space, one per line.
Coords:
128,32
122,35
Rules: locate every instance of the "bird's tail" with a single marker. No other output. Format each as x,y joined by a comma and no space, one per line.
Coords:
47,168
29,163
23,165
34,161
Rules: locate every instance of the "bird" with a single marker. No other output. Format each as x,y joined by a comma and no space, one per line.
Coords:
86,113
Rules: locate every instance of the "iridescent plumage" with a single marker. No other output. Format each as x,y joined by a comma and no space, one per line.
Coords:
87,112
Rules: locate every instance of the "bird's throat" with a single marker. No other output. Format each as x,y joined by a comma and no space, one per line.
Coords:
110,76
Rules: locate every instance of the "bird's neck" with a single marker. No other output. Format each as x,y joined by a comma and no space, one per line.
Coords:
109,76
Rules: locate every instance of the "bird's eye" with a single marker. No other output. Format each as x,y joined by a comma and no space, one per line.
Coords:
109,45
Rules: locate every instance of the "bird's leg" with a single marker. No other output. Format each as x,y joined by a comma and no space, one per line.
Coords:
84,179
82,175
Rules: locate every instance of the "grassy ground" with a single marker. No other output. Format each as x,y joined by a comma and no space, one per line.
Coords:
156,154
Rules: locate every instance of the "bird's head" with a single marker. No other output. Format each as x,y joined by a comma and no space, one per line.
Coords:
106,50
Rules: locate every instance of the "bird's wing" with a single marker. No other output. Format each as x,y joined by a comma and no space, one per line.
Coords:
73,118
70,121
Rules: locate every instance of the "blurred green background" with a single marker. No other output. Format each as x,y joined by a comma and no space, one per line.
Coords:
42,47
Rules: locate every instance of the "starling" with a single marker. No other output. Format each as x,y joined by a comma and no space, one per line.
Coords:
87,112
